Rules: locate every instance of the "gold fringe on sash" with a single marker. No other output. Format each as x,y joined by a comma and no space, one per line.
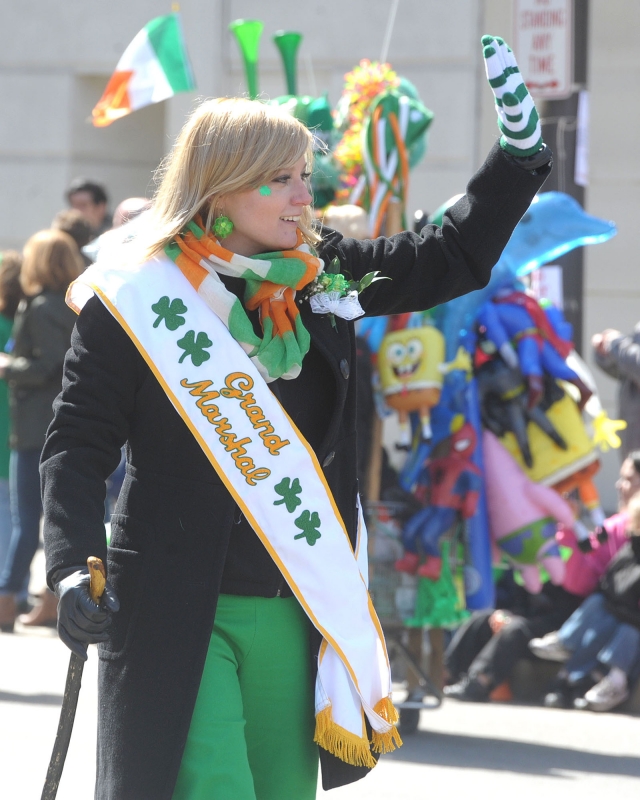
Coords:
356,750
386,742
342,743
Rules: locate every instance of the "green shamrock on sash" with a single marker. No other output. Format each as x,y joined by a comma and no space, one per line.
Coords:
169,311
308,523
289,492
195,347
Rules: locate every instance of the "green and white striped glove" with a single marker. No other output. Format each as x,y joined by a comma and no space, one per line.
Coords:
517,116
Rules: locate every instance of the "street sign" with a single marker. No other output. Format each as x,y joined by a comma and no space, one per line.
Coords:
543,44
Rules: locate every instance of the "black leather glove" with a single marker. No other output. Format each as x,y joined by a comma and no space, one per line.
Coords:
80,621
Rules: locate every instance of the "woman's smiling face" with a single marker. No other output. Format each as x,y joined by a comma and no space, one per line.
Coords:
266,221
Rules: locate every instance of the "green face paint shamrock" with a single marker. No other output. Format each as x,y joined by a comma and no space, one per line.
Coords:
170,312
308,523
195,347
289,492
265,191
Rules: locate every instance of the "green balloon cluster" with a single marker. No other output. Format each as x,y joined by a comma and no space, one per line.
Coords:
316,112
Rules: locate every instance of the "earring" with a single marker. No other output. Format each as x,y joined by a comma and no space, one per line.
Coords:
222,226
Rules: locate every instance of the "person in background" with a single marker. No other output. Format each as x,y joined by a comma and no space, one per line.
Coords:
590,567
485,649
129,209
584,572
10,296
126,211
601,639
91,200
619,356
33,371
122,230
71,221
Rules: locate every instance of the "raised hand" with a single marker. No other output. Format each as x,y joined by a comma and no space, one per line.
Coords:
517,116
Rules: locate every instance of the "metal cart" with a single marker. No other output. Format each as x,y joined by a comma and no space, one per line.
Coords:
384,526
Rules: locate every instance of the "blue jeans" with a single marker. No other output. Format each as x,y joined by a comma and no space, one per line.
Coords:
26,510
597,638
6,529
5,521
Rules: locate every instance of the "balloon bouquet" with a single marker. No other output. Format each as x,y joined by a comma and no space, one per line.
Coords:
497,413
528,394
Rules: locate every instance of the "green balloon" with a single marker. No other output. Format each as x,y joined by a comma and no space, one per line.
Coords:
418,149
314,112
420,118
324,179
320,116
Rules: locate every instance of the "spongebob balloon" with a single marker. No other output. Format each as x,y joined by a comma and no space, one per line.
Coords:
410,376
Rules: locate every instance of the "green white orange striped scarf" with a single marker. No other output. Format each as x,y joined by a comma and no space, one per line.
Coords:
272,280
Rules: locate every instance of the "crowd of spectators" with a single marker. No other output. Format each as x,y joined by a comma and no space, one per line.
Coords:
35,334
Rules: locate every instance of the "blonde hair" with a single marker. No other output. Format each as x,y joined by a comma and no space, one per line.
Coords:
228,145
51,260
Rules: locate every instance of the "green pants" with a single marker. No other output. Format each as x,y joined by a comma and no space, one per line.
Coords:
251,735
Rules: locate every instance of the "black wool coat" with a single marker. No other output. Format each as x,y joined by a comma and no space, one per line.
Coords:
41,334
174,516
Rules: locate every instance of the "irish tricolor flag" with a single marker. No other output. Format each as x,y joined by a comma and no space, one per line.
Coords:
154,67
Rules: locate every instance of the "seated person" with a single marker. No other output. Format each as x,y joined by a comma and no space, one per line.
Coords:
600,642
478,660
486,648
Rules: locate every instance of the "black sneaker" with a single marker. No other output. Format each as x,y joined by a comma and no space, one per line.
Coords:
560,698
563,695
468,689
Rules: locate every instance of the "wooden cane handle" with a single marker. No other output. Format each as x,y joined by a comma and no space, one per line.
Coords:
98,578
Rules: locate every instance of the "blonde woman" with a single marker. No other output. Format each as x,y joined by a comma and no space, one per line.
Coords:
33,370
238,645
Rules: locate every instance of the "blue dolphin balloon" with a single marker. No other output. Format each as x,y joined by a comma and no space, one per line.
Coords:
554,224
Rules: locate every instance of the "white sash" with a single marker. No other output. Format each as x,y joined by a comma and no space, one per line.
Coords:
274,476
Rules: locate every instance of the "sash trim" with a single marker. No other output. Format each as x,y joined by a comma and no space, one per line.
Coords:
386,742
342,743
353,749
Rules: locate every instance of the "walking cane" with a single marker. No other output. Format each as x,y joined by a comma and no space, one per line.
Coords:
71,693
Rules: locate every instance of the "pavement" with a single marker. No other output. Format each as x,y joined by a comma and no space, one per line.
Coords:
460,750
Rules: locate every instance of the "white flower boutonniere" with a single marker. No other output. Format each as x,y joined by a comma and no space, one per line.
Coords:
333,294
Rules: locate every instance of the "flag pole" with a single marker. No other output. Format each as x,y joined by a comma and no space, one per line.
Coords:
389,31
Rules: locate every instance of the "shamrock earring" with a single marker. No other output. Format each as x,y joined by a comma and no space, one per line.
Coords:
222,226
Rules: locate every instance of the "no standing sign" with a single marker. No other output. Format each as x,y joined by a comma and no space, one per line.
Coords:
543,45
